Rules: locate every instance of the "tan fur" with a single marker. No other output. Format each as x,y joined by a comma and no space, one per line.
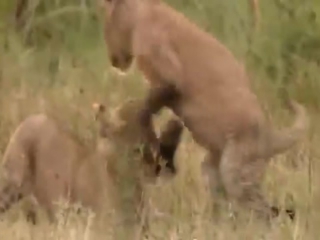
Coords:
127,145
45,161
126,136
196,76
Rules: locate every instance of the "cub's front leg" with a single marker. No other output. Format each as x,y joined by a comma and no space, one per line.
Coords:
157,98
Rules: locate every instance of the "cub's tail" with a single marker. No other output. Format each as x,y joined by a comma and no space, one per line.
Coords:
279,141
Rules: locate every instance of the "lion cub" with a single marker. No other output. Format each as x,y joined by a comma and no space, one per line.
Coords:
196,76
44,160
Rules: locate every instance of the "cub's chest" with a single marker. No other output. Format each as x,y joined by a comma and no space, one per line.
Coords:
148,70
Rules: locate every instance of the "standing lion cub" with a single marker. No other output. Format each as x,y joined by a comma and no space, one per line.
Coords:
45,161
196,76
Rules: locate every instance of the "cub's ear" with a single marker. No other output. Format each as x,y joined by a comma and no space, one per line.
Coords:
99,108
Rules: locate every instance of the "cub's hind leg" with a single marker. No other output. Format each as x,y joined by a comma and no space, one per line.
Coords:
210,171
241,175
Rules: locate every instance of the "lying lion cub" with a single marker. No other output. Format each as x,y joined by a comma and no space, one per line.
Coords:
196,76
45,161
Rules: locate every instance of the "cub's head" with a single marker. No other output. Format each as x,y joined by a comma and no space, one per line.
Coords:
118,27
123,129
122,124
119,135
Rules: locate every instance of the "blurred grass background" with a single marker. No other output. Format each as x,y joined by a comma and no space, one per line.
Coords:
56,62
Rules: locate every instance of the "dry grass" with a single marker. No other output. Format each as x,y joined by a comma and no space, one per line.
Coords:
53,80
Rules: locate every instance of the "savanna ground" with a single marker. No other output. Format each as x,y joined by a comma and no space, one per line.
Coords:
58,63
